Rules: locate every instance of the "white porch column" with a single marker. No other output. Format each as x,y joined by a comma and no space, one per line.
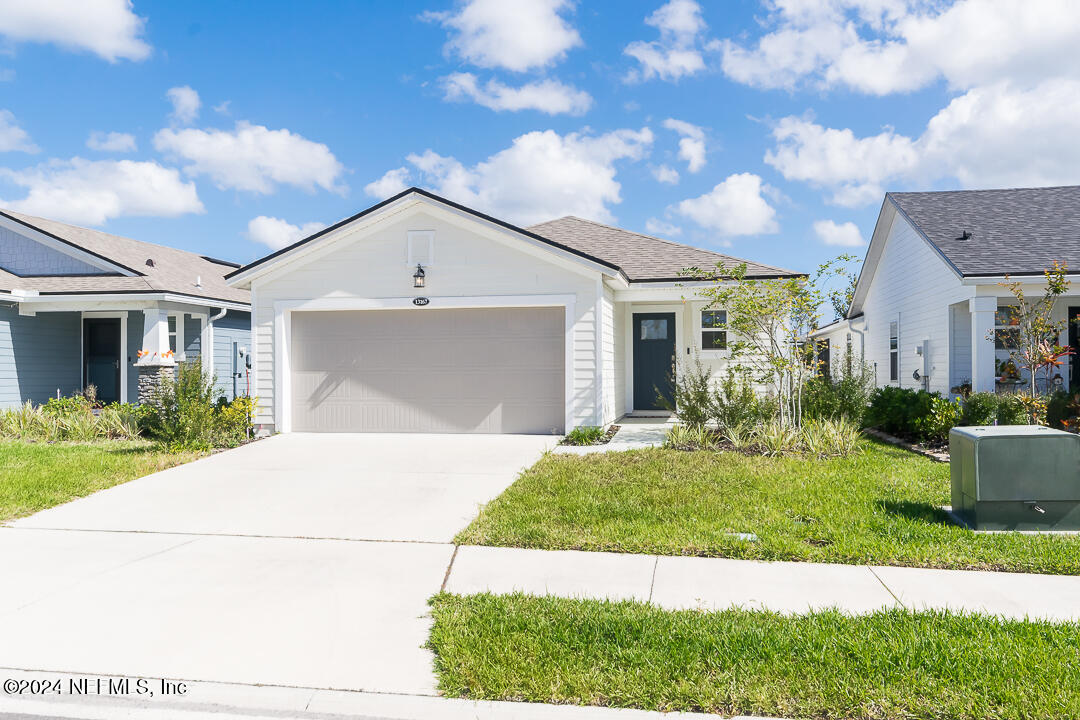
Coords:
155,345
982,343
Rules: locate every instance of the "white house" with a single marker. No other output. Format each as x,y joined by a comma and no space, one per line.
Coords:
419,314
929,301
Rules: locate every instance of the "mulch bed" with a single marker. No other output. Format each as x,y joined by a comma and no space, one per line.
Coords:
604,439
937,452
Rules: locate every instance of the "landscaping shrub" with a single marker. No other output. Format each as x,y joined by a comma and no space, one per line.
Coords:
690,437
1020,410
233,421
943,416
69,418
821,438
584,435
898,410
735,404
1059,410
845,394
693,393
183,415
980,409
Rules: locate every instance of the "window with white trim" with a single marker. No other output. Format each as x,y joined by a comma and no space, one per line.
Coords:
714,329
1006,327
894,351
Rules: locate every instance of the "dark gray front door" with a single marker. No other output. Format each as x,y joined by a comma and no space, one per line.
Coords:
101,357
654,355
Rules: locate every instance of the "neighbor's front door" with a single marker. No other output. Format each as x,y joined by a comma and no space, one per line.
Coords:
101,357
654,356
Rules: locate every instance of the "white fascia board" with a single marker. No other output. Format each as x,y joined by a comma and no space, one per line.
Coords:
70,250
645,292
75,301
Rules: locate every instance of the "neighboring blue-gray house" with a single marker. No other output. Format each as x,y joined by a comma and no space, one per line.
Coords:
80,307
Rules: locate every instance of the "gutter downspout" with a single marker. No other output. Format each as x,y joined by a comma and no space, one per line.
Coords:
212,318
862,340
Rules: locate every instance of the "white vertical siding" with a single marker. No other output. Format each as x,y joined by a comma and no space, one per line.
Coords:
912,285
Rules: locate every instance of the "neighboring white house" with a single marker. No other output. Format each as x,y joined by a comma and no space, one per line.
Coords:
930,299
420,314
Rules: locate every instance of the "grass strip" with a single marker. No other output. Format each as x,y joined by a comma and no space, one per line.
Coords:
887,665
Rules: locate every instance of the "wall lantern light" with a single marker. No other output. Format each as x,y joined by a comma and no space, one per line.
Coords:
418,277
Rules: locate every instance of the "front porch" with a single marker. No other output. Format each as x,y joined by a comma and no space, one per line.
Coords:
120,347
978,354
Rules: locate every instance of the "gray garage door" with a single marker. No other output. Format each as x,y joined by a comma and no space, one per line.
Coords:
490,370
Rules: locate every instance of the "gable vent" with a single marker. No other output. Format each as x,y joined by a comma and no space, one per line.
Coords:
420,248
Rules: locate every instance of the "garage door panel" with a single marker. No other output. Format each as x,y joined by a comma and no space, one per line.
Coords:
477,370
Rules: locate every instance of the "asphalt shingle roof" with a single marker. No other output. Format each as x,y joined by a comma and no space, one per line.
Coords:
1018,232
173,271
642,257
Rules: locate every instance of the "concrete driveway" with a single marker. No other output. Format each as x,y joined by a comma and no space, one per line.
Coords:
302,560
419,488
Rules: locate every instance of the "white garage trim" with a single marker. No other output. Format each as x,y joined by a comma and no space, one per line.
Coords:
283,310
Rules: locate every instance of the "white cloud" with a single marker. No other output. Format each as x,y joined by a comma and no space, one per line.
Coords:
995,136
90,192
1001,136
843,235
253,158
390,184
661,228
886,46
691,144
679,51
855,168
517,36
542,175
734,207
666,174
547,96
276,233
186,104
12,137
107,28
111,141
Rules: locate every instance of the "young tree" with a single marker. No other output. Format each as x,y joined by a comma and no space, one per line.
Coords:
767,321
1032,334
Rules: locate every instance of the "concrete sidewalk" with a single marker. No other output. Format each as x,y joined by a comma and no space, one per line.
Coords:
788,587
224,701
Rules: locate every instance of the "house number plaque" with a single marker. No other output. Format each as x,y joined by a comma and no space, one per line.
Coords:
420,301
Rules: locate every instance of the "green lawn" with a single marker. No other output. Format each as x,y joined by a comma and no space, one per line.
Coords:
880,507
892,664
35,476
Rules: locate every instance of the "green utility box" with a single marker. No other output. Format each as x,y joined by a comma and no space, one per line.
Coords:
1015,477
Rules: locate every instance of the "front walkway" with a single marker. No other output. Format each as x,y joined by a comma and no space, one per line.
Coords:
677,583
635,433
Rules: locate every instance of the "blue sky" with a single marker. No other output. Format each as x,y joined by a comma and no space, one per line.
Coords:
769,130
